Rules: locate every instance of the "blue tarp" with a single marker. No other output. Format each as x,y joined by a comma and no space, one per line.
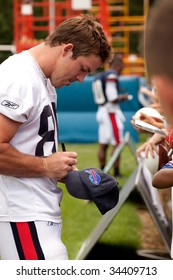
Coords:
77,111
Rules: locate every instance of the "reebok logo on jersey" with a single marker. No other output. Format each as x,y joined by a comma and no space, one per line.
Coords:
9,104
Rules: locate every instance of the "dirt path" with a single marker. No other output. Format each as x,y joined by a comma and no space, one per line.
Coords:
149,234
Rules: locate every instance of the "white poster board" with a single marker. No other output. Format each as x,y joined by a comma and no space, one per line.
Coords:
81,5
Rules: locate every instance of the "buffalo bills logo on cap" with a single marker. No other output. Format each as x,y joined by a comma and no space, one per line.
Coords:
94,176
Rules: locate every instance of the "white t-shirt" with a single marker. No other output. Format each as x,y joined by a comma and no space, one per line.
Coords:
27,96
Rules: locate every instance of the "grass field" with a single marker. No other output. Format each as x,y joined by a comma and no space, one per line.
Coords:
79,217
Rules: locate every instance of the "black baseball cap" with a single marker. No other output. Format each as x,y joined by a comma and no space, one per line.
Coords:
95,185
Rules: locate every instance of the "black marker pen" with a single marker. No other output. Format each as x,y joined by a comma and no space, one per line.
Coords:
63,147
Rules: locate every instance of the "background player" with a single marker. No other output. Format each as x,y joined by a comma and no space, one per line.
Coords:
109,116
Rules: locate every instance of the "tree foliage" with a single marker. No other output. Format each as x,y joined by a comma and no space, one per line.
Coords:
6,25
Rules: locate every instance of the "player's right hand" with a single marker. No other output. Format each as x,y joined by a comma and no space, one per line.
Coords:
59,164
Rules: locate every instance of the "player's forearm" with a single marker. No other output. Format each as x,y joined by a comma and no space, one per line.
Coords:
55,166
14,163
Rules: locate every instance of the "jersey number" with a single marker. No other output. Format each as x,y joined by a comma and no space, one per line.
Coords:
46,134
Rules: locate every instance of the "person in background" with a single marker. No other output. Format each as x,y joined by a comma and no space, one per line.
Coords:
30,163
159,53
159,60
109,116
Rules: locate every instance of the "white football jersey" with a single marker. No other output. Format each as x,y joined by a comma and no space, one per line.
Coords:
105,92
27,96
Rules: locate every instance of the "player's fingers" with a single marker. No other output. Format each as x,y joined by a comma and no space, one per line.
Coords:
72,161
69,154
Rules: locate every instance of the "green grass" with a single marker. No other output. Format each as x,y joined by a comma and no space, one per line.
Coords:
80,218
